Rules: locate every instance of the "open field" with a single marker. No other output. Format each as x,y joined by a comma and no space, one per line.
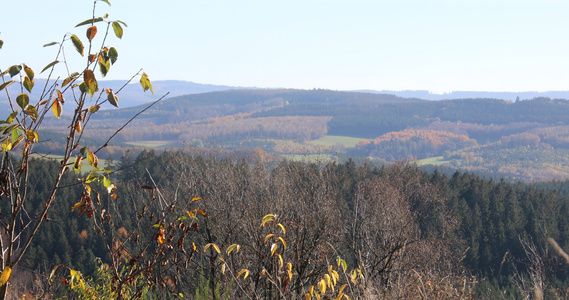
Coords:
437,160
151,144
331,140
86,167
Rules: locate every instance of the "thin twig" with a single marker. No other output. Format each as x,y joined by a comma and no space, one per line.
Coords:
128,122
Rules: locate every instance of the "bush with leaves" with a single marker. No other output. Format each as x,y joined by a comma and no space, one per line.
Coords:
19,131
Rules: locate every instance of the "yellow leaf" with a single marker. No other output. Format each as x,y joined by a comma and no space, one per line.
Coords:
342,288
32,136
329,281
56,108
212,245
274,249
283,228
335,276
145,82
92,159
223,268
270,235
6,145
322,286
5,276
243,271
307,296
311,290
90,82
235,247
280,260
77,205
282,241
268,218
195,199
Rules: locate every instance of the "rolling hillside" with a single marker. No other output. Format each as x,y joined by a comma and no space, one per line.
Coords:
484,135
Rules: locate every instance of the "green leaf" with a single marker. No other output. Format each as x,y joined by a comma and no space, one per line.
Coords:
29,72
14,134
1,43
28,84
83,150
104,65
122,23
14,70
113,99
90,21
83,87
78,163
90,178
77,43
113,55
6,84
31,111
50,44
9,128
106,182
69,79
118,29
51,64
94,108
107,1
23,100
11,117
145,82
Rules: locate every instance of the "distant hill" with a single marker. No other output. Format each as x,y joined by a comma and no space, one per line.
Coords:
521,140
132,94
427,95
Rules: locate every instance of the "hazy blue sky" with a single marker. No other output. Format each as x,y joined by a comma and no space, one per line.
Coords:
336,44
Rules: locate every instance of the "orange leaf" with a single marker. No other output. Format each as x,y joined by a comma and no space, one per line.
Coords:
78,126
91,32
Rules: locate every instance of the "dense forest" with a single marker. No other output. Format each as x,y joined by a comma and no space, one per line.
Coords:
399,226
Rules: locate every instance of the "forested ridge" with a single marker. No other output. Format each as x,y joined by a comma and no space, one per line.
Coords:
497,137
410,224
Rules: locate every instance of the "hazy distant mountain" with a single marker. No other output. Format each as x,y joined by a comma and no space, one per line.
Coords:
427,95
132,94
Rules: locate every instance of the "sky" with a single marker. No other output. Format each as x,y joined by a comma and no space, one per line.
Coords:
435,45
